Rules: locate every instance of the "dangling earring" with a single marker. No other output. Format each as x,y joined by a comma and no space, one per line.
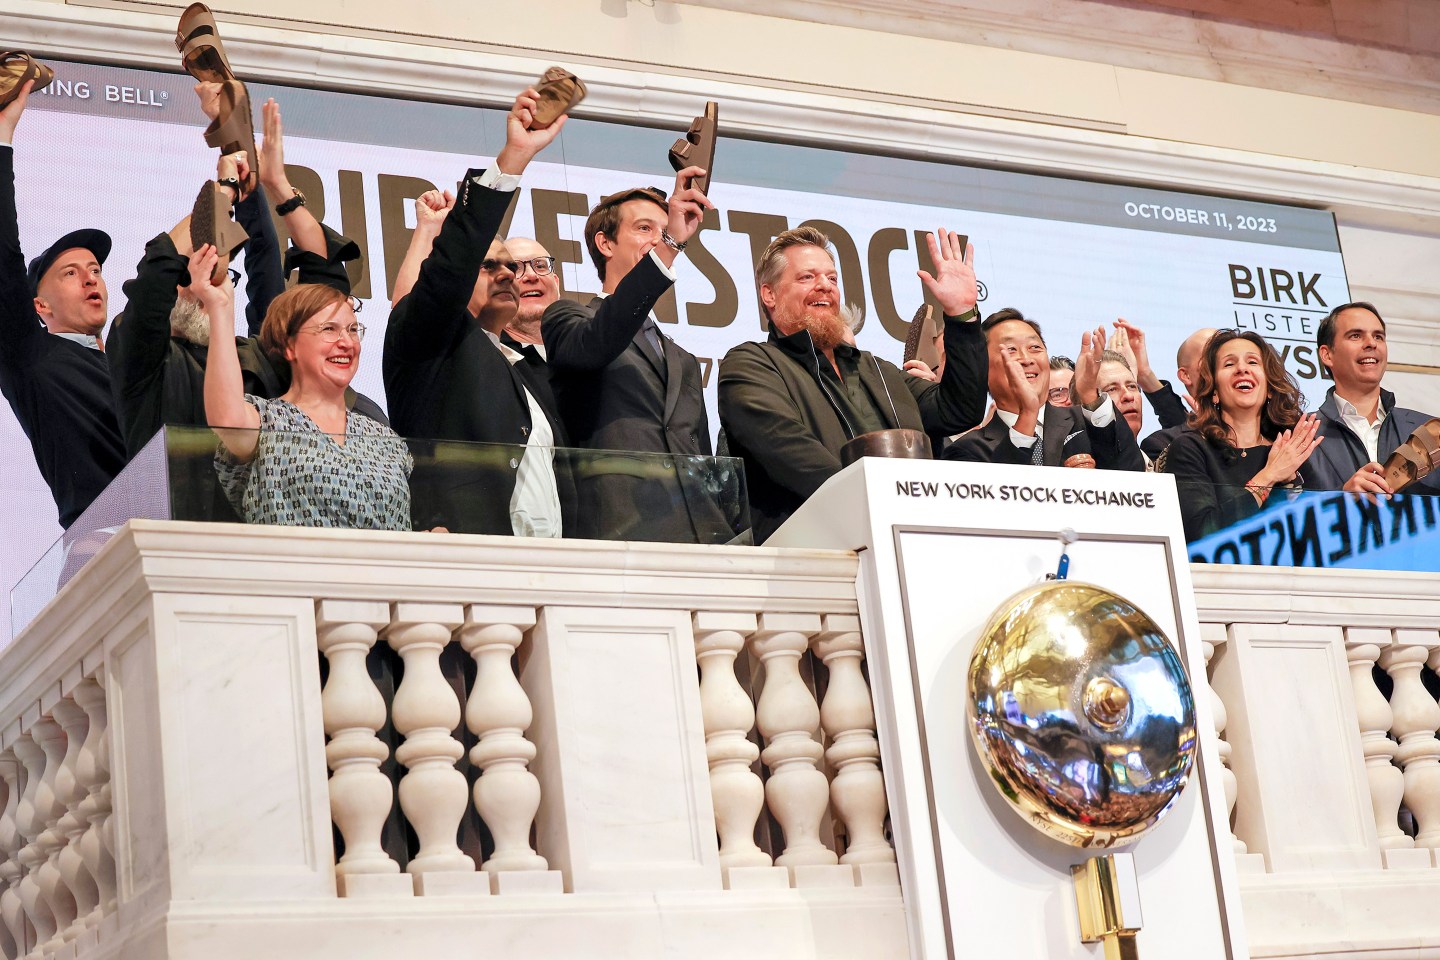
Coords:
1215,399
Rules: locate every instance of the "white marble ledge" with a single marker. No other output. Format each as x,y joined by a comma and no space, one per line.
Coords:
1226,593
1364,915
159,556
856,924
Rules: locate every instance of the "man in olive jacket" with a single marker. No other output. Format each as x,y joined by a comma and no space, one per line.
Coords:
789,404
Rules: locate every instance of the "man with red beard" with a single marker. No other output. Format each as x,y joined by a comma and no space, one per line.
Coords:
788,405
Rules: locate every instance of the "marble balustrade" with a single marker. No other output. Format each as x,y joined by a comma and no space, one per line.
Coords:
1326,736
572,745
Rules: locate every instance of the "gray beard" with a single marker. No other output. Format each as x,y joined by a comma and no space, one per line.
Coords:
190,322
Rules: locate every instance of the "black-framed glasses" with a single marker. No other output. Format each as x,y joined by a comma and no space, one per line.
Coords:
543,266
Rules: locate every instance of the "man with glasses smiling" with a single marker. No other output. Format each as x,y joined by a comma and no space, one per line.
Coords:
448,373
536,287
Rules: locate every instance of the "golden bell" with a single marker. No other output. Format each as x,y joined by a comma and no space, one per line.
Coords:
1082,712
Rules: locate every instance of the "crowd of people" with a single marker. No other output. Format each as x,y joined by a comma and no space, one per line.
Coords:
481,347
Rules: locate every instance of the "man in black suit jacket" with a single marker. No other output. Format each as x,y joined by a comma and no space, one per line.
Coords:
1186,360
623,385
1026,429
448,377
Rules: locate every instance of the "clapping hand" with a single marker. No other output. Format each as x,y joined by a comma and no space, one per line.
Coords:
1087,366
1291,449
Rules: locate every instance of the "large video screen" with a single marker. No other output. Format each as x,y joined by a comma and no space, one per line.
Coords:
122,150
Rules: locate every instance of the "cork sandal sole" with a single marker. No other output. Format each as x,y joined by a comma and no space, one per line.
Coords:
1416,458
210,223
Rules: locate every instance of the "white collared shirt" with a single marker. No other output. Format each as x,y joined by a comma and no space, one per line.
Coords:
1101,416
84,339
535,504
1366,432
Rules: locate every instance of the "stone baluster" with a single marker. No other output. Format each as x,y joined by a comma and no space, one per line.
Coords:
788,717
1227,776
69,794
1416,718
93,773
433,793
48,810
12,911
735,789
360,795
507,794
1372,712
37,911
857,794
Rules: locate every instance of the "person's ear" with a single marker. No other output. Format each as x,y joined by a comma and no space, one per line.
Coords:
767,296
42,307
1327,356
604,244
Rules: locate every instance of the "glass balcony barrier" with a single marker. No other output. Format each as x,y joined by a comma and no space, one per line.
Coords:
397,483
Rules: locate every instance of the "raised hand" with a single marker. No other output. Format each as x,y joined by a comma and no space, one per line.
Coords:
209,95
1139,355
522,142
10,116
1120,343
1290,451
272,154
431,209
215,298
687,208
1087,366
236,165
953,283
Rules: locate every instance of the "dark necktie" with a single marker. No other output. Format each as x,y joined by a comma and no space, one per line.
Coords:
1037,451
652,337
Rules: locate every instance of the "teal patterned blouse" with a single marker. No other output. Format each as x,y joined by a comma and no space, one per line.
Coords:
301,477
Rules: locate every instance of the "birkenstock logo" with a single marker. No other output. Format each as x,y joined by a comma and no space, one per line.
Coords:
1286,307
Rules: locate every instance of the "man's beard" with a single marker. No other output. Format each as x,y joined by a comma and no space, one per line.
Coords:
828,330
190,322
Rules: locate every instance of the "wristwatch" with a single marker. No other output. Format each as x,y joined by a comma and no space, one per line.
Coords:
291,205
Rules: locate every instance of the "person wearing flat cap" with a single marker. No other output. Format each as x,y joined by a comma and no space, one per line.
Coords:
53,369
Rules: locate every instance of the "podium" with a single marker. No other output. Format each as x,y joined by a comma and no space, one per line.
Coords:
941,545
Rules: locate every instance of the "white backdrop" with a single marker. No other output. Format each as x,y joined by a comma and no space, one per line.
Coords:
1070,254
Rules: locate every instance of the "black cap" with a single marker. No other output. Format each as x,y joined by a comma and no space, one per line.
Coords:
96,241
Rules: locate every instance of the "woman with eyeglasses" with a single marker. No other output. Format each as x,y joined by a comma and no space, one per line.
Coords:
302,459
1248,435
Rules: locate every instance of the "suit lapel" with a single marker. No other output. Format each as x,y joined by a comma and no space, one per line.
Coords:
642,343
674,375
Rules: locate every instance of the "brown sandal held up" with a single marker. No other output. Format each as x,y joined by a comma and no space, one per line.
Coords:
198,40
920,340
16,69
558,90
210,223
697,147
1416,458
233,128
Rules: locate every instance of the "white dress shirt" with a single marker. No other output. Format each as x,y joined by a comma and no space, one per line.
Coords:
1101,416
535,504
1368,433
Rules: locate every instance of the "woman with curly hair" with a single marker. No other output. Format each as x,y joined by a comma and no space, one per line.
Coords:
1248,434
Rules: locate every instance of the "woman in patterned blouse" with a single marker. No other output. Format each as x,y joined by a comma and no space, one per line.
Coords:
302,459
